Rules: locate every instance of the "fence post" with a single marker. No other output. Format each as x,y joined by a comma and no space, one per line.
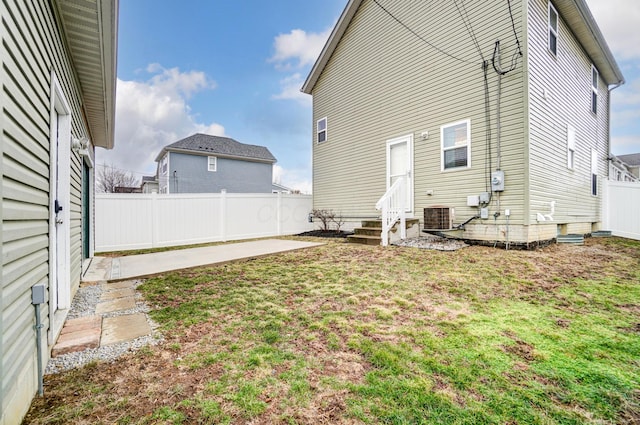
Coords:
223,215
154,220
279,214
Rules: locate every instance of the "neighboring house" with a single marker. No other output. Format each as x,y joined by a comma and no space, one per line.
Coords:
209,164
58,94
411,91
278,188
149,184
625,167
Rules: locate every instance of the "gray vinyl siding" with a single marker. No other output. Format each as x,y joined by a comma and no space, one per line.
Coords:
382,82
32,47
567,79
233,175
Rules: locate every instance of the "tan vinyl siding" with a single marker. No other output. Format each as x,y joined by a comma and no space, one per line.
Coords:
382,82
32,47
567,81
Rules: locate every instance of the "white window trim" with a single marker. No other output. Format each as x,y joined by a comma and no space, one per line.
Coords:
215,164
571,147
326,130
594,89
442,148
551,30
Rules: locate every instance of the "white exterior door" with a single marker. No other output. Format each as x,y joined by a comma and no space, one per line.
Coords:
59,210
399,164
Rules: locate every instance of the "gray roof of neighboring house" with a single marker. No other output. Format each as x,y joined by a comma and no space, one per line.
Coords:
147,179
219,146
632,159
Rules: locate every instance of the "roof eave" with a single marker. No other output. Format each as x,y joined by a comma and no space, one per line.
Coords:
98,19
583,25
586,30
331,44
218,155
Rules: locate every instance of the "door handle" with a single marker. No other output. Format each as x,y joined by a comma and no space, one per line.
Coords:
57,207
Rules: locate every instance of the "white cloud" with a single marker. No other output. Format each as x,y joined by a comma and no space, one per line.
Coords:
154,113
618,21
293,179
298,48
291,90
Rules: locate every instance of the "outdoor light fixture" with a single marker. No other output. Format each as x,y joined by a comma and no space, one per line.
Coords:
80,146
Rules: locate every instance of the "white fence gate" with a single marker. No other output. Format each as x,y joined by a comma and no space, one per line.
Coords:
621,209
134,221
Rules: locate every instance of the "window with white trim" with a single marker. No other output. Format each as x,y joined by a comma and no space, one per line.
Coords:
594,89
456,145
571,147
594,172
322,130
553,30
212,163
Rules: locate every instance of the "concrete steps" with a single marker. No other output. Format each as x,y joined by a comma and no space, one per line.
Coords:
370,233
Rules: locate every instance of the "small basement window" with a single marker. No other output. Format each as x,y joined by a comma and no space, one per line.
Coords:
553,30
456,145
594,89
322,130
212,163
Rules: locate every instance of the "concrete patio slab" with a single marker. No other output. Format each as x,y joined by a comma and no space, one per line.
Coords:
119,304
98,270
124,328
144,265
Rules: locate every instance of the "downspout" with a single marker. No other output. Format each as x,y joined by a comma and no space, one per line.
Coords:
609,121
603,219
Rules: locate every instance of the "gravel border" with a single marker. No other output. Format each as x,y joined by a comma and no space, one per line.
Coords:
432,242
84,304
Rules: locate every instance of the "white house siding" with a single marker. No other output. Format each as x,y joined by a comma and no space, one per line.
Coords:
382,82
567,81
32,47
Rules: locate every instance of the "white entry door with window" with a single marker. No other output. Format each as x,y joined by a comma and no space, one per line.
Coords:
400,164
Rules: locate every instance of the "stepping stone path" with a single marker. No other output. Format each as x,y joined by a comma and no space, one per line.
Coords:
106,326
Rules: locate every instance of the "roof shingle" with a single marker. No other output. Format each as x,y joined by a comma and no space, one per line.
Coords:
218,145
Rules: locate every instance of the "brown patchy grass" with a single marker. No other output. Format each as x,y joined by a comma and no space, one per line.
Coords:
346,334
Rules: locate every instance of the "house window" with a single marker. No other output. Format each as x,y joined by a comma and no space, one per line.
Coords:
322,130
212,163
594,172
553,29
456,145
571,147
164,166
594,89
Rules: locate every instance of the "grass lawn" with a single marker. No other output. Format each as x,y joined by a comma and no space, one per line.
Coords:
354,334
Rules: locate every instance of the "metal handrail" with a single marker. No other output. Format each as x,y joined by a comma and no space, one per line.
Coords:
393,206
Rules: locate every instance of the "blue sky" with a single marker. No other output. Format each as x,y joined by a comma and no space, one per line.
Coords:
234,68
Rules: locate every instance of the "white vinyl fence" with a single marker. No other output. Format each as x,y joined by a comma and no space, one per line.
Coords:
133,221
621,209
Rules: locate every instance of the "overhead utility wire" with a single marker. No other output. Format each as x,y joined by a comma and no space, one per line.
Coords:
419,36
469,28
496,50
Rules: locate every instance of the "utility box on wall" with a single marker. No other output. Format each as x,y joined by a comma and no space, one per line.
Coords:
497,181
